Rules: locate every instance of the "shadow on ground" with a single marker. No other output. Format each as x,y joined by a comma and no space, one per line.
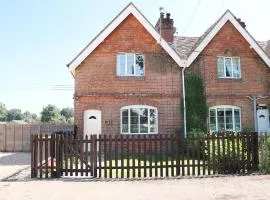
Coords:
17,158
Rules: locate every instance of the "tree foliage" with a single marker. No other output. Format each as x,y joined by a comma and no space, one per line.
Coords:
67,112
14,114
196,106
3,112
51,114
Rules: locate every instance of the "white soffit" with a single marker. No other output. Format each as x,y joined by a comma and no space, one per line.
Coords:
228,16
130,9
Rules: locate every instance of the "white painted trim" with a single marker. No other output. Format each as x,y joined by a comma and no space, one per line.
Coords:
130,9
138,106
224,107
224,67
228,16
134,64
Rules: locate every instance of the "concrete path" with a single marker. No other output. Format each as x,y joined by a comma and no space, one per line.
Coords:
225,188
12,163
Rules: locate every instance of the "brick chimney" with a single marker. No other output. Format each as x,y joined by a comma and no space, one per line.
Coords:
167,29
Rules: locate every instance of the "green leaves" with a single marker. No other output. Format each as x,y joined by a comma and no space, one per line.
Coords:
196,107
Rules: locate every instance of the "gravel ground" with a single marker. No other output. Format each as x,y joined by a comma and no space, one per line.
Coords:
223,188
12,163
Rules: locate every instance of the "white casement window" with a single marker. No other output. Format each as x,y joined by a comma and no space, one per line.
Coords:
139,119
228,67
130,64
225,118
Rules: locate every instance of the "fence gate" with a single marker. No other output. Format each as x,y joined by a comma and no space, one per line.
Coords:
56,155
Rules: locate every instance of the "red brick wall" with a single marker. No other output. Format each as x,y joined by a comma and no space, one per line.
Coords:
98,87
255,75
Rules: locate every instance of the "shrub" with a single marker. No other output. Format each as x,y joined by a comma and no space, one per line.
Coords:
264,153
227,160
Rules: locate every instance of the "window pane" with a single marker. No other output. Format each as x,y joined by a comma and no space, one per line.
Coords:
139,65
236,67
228,66
125,121
134,128
220,118
143,120
130,64
121,62
153,128
212,112
237,119
212,123
153,116
134,115
220,66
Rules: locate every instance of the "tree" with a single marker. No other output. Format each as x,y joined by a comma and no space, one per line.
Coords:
14,114
30,117
51,114
67,112
196,106
3,112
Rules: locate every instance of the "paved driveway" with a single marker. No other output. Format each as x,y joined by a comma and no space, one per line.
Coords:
11,163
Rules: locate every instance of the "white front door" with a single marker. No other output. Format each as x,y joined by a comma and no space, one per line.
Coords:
92,122
263,118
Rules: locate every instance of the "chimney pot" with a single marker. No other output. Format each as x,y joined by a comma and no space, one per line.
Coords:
162,15
168,15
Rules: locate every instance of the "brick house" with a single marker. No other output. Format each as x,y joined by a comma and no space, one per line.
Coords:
129,78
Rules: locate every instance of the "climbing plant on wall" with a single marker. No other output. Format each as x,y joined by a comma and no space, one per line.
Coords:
196,106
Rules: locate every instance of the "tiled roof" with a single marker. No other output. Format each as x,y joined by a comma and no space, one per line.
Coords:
184,45
265,46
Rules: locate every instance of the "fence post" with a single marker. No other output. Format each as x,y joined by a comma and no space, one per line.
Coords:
255,151
57,156
33,156
94,154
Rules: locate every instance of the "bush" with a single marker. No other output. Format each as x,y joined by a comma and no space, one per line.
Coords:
196,145
226,160
264,153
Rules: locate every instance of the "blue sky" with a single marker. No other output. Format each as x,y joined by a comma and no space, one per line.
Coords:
38,39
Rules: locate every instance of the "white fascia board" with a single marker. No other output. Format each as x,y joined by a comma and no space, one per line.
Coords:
227,17
131,9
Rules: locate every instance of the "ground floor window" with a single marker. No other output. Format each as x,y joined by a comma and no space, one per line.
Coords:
225,118
139,119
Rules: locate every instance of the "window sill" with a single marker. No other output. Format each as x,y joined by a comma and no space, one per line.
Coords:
139,133
130,77
230,79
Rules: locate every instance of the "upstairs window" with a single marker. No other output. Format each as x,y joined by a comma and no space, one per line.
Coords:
228,67
224,118
130,64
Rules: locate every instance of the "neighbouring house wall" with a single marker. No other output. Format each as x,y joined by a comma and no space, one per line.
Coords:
255,75
98,87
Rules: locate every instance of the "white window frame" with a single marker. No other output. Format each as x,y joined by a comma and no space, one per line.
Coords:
134,64
224,67
224,107
129,124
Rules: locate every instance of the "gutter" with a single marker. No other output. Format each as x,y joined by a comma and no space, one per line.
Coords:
184,100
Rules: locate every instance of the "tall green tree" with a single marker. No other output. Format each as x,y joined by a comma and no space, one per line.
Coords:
196,106
67,112
14,114
3,112
51,114
30,117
